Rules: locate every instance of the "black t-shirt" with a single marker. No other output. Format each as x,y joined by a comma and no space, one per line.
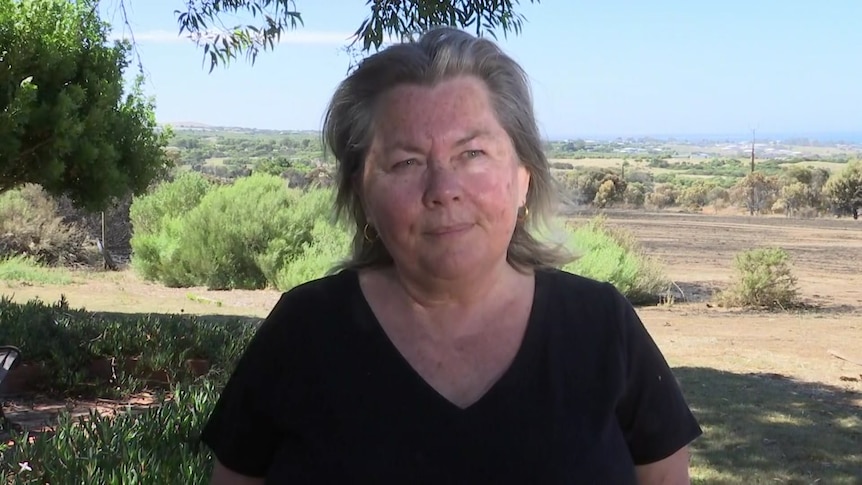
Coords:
321,395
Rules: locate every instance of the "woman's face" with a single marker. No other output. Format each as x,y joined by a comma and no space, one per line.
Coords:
442,182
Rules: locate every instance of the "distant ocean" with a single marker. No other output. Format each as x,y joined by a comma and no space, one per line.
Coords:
824,137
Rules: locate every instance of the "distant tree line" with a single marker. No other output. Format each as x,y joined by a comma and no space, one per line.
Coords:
794,190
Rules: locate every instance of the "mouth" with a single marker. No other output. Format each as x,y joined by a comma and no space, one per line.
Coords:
449,229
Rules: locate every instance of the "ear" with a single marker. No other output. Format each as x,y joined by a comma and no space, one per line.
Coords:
523,184
359,190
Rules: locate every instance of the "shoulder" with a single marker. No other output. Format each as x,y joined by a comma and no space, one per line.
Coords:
579,293
327,287
570,281
316,296
581,309
306,305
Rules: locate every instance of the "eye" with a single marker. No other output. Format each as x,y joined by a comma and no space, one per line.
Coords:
473,153
405,163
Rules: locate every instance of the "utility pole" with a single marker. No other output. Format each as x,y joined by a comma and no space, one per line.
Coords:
752,150
751,189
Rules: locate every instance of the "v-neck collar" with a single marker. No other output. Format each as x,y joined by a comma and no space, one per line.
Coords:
509,378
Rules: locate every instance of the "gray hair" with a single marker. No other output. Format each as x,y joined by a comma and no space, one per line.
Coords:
438,55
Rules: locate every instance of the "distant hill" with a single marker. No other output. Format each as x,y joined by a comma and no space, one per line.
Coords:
196,126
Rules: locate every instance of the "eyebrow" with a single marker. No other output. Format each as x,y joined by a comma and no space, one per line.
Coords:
470,136
480,133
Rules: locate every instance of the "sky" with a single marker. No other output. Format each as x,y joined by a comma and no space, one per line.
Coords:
597,69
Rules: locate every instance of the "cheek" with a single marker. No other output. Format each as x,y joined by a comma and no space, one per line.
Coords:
390,208
496,195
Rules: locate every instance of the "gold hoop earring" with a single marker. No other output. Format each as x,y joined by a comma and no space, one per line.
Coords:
522,216
365,234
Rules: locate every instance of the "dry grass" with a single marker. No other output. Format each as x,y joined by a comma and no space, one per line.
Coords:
831,166
125,292
591,162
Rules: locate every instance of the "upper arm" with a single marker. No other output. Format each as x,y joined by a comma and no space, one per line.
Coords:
652,412
672,470
243,430
224,476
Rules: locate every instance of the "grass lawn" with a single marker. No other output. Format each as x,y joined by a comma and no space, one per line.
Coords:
767,429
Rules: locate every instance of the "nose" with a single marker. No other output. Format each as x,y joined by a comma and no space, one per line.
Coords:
442,185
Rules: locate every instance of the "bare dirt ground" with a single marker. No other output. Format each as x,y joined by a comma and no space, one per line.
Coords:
698,252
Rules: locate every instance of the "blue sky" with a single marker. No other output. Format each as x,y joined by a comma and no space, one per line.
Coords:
609,68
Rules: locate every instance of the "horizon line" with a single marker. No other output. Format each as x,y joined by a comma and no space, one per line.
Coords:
855,137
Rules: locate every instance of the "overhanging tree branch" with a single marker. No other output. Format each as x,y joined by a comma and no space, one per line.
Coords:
202,22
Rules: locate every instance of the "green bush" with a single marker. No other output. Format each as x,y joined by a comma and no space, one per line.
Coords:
763,278
327,248
254,233
168,200
156,224
221,239
614,256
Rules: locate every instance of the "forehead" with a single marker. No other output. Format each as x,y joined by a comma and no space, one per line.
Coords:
444,112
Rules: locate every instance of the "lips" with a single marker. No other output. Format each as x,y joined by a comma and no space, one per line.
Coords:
449,229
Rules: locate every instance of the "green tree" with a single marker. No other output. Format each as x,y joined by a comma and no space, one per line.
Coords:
583,186
272,165
811,178
65,121
756,192
793,196
844,190
396,18
695,196
635,195
664,195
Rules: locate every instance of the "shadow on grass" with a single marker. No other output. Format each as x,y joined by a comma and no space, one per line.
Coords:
768,429
74,353
203,317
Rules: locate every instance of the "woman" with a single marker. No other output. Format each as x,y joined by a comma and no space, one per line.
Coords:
448,349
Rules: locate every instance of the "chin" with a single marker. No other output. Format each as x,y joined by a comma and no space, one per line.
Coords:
452,267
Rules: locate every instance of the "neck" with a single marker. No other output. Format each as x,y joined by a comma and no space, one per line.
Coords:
468,291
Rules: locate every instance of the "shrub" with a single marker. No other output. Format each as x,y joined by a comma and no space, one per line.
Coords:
664,195
756,192
606,194
614,256
763,278
254,233
156,225
328,247
695,196
168,200
582,185
843,190
221,238
31,225
562,165
635,195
